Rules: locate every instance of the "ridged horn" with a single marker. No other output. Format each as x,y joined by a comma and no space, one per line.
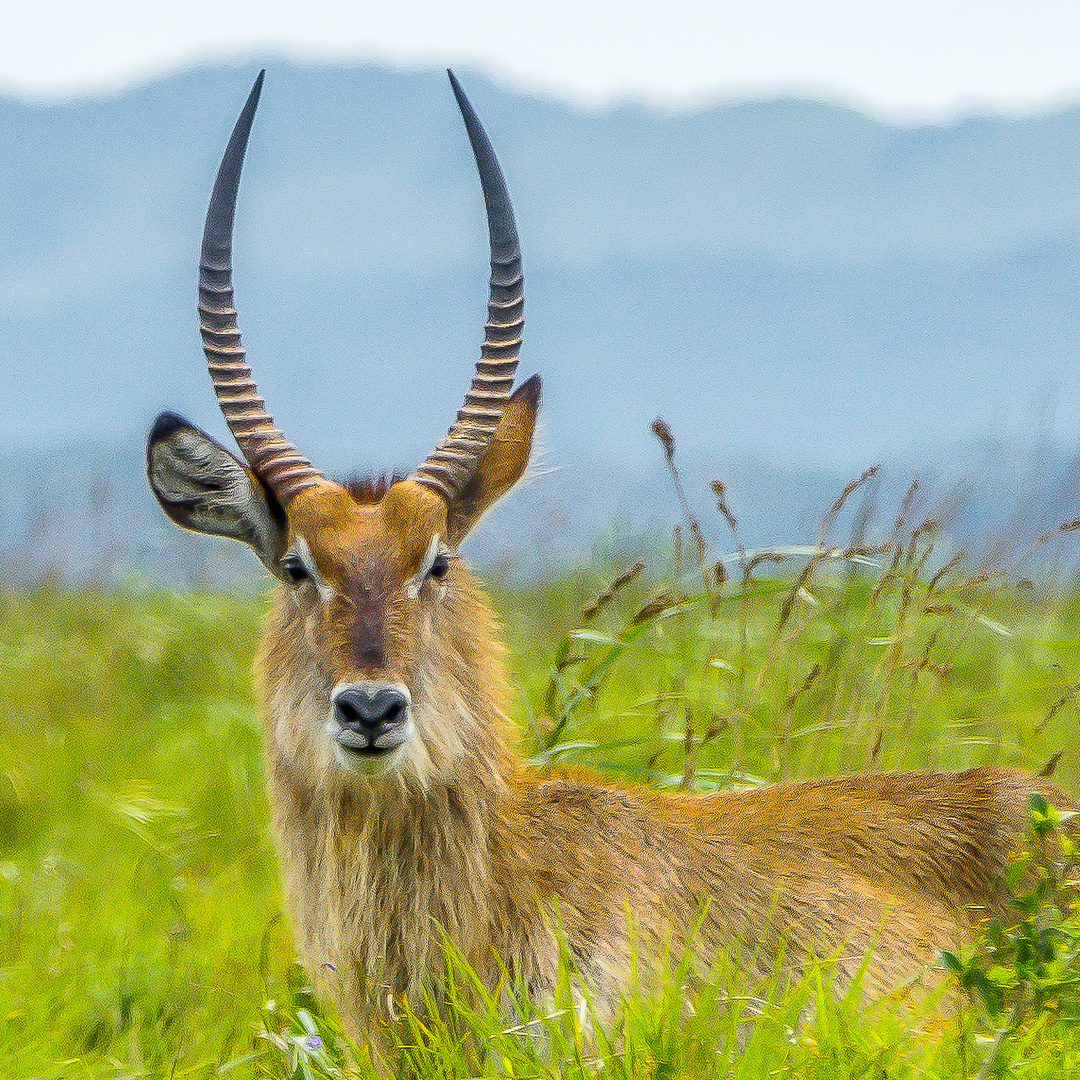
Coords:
269,453
454,459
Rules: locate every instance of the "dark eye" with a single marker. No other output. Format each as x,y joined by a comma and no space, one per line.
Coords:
294,569
440,567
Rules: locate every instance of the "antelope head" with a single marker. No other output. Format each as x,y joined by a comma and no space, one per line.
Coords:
371,578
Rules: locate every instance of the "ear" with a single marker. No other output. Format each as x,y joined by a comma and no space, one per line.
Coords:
201,486
503,463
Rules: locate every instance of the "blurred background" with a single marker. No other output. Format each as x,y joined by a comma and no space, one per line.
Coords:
811,237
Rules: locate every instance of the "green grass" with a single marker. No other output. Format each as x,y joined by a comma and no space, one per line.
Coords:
140,932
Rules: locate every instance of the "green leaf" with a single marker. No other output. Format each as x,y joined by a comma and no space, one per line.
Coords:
594,636
951,962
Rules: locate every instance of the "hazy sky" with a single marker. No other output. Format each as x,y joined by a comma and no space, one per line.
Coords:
901,58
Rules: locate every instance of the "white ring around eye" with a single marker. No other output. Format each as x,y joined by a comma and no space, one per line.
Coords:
412,586
303,551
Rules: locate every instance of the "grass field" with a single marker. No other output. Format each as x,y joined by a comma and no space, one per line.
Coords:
140,932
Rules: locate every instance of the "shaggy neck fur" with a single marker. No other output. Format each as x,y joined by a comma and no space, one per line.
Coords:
379,869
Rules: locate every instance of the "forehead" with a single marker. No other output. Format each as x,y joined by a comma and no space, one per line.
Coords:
349,532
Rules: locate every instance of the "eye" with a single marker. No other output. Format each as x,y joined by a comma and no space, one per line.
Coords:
440,567
294,569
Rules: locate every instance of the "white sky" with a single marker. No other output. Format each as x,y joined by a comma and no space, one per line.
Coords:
906,59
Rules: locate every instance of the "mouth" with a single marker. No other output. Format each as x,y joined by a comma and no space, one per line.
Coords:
367,744
369,752
365,760
356,752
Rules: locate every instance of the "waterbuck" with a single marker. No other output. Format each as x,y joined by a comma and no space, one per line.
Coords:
402,817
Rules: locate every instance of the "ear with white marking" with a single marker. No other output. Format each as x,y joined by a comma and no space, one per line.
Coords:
503,464
201,486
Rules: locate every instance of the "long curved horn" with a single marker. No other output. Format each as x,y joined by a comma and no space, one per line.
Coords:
454,459
267,450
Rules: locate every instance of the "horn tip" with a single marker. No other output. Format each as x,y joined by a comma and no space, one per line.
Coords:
256,88
459,94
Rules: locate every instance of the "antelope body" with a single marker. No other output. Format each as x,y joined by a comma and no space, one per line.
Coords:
400,813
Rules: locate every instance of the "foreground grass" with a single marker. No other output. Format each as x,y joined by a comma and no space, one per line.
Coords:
139,925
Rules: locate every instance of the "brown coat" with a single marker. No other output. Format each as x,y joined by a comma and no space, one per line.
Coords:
494,855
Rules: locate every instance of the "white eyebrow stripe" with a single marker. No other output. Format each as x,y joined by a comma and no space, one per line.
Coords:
412,586
326,593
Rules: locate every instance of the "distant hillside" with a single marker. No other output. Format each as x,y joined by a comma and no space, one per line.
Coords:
800,290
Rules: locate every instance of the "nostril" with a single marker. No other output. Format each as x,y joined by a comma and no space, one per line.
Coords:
368,709
346,712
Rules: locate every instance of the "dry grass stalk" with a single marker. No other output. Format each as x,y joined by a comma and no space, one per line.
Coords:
661,430
1069,697
601,601
725,511
833,512
757,559
566,657
783,740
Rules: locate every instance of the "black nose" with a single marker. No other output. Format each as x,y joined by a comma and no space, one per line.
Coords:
369,712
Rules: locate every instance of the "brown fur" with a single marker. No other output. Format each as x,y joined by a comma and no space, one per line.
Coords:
461,839
449,834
